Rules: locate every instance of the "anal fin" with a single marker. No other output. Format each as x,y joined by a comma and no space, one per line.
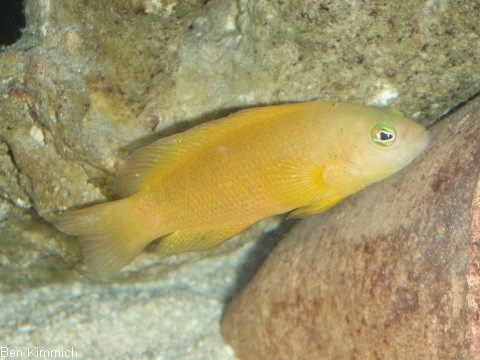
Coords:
316,208
197,239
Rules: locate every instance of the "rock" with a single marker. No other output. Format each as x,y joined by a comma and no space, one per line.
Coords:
390,273
176,316
88,83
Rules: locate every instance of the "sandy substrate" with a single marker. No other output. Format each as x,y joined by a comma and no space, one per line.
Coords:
175,318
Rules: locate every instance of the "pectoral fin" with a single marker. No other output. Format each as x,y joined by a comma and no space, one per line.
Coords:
309,210
197,239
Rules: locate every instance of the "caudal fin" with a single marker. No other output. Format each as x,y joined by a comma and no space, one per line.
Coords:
109,235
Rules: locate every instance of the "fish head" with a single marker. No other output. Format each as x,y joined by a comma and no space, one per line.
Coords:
382,142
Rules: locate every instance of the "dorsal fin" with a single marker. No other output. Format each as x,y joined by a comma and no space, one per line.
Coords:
154,159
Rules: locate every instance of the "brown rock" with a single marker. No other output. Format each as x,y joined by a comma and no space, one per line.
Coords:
391,273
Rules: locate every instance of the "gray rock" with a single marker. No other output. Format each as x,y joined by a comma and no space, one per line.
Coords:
176,316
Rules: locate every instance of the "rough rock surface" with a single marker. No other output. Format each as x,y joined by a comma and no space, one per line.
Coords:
176,316
391,273
90,81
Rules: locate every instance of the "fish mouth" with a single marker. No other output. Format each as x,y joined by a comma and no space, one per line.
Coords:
422,144
416,141
426,141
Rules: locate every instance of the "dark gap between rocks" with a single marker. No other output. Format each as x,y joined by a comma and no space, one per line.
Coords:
12,21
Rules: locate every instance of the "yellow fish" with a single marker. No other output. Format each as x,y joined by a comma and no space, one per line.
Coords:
199,188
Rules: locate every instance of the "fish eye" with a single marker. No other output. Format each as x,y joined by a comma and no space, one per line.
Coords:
383,135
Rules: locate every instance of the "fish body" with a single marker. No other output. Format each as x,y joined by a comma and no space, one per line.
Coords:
201,187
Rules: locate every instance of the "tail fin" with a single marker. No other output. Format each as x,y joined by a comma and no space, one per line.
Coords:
109,235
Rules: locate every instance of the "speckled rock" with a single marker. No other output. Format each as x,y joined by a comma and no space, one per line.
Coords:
88,82
174,317
391,273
